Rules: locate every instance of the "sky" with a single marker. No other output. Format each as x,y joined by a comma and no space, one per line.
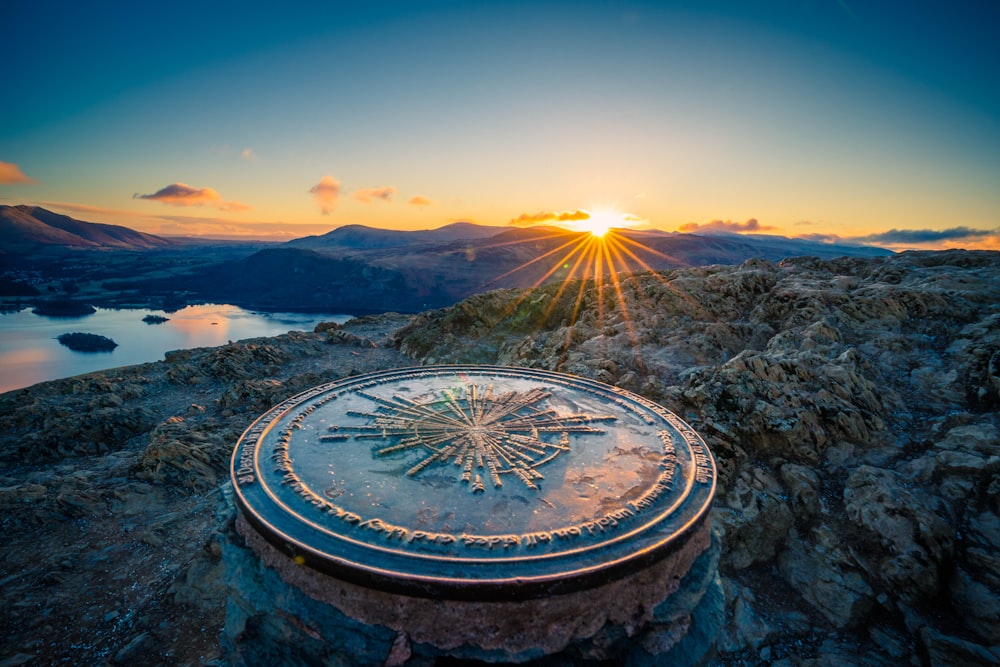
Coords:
837,120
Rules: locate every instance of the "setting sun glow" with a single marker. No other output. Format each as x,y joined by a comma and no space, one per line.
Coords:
600,221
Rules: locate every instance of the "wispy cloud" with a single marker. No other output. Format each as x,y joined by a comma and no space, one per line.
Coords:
724,226
248,155
419,201
326,193
913,239
368,195
219,228
918,236
528,219
182,194
823,238
11,174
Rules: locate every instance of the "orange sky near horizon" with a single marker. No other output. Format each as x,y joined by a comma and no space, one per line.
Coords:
821,121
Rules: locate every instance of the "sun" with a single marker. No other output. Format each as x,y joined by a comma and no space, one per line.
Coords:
600,222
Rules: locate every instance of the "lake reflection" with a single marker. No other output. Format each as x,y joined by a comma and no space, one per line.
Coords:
30,353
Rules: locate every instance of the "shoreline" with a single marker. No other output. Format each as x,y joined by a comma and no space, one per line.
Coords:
30,352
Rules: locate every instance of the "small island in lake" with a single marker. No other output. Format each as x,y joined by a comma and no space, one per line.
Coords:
87,342
63,308
155,319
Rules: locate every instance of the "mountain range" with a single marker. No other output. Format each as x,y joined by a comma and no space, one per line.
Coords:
355,268
362,237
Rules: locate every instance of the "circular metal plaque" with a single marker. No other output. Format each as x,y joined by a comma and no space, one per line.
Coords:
473,482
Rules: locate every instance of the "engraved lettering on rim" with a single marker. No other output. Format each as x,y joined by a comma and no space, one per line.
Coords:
372,476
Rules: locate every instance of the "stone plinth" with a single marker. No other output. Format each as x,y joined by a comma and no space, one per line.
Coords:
481,512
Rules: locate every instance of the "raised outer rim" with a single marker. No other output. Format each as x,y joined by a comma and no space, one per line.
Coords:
455,588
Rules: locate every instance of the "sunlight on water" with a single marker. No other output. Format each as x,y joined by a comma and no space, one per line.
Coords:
30,353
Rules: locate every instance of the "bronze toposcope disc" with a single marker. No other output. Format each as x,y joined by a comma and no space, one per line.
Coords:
473,482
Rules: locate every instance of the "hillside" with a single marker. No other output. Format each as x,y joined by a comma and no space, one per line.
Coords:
362,237
413,271
353,268
27,227
851,405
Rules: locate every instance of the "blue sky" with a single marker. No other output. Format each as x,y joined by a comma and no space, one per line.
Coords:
828,119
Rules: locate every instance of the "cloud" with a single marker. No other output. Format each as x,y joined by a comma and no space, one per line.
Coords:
926,239
823,238
11,174
367,195
419,201
907,236
528,219
235,206
182,194
248,155
326,193
724,226
220,228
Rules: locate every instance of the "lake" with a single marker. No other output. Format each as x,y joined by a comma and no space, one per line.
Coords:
30,353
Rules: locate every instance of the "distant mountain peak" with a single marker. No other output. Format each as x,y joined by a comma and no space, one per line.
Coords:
363,237
24,226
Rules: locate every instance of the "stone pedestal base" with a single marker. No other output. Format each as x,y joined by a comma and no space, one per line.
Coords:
280,613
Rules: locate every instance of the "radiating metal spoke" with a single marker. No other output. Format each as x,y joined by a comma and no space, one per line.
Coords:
482,433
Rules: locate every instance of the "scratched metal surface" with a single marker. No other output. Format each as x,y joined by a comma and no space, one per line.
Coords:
473,481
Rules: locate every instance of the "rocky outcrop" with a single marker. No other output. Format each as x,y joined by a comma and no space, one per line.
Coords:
89,415
109,487
851,407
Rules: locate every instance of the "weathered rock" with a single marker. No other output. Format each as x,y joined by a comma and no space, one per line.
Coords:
754,518
247,359
130,652
975,583
85,416
945,650
794,405
745,627
181,457
341,337
803,485
252,395
836,652
826,576
917,541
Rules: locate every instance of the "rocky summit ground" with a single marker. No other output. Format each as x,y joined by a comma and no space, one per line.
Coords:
851,404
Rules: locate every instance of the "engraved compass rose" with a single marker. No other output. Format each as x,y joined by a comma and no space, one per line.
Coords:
510,434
